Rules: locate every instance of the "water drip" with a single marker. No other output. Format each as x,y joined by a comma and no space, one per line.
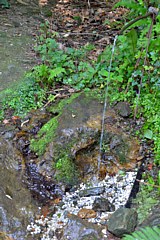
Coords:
105,104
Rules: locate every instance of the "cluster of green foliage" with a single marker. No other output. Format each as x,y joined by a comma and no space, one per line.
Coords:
68,66
29,95
130,69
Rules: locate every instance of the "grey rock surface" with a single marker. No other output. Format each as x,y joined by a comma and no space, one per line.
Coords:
79,229
123,109
123,221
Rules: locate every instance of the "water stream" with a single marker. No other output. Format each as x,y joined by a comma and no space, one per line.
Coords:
105,104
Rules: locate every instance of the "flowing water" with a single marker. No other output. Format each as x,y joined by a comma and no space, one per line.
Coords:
105,104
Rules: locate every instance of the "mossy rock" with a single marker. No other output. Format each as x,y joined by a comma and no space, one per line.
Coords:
69,142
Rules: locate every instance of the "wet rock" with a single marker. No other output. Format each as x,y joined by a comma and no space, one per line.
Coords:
10,157
17,207
103,205
87,138
123,221
9,135
79,229
42,189
86,213
91,191
123,109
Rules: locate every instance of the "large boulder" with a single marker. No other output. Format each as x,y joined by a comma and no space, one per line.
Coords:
123,221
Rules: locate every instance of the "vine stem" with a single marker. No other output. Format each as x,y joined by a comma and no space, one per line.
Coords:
134,21
148,184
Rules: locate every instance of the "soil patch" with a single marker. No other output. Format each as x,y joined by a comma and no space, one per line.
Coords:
18,29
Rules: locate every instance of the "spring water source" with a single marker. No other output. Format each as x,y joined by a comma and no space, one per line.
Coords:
105,104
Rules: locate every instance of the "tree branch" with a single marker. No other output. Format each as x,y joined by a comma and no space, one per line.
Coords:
134,21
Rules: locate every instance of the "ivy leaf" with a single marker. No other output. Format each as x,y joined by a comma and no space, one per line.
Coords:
148,134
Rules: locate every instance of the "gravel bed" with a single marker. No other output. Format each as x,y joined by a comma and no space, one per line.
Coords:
116,190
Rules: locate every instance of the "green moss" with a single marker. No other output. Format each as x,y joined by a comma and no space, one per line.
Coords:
45,136
59,107
95,93
66,170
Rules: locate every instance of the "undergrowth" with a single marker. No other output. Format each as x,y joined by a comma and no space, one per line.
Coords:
131,79
29,95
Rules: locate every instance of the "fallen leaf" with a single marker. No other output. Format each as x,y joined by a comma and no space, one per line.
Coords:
43,3
86,213
150,166
6,121
45,211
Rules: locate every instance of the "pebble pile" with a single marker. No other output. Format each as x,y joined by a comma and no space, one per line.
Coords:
115,189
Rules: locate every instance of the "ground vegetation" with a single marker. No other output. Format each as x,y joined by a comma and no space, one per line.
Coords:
134,75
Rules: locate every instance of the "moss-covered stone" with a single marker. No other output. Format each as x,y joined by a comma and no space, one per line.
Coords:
68,145
48,132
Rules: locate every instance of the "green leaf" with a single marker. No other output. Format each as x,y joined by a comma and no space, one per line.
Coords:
55,72
104,73
148,134
132,40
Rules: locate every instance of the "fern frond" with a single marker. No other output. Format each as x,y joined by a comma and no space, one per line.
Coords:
147,233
